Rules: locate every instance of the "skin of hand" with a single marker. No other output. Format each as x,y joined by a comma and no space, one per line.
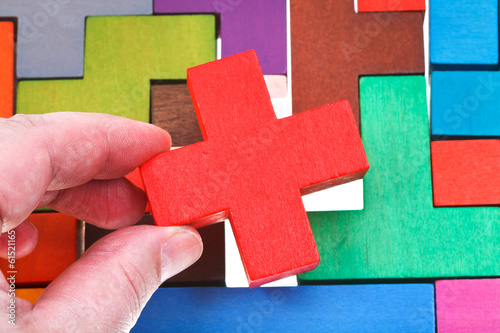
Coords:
75,163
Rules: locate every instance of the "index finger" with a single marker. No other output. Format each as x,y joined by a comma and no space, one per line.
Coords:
57,151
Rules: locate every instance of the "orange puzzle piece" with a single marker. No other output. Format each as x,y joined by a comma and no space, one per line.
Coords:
29,294
6,69
55,251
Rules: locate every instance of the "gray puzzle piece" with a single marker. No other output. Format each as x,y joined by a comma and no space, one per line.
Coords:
50,42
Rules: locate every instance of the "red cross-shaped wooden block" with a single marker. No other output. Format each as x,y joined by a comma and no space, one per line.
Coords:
253,168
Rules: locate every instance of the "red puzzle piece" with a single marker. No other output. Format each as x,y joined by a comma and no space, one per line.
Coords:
390,5
136,178
466,173
252,168
6,69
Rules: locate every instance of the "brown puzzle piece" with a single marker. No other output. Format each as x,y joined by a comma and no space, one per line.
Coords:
332,46
172,110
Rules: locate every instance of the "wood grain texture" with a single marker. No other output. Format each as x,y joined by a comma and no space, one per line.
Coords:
366,308
55,251
122,55
464,34
238,171
31,295
468,306
332,46
6,69
51,32
209,270
465,103
400,234
466,173
390,5
172,109
245,25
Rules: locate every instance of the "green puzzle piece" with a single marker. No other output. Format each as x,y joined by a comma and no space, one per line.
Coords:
399,234
122,55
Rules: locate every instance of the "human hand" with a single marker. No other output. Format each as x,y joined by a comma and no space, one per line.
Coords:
75,163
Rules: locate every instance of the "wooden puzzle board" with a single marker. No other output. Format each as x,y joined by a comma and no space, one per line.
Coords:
391,243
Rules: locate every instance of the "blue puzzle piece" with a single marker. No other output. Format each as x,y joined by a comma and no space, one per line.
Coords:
361,308
465,103
50,42
464,34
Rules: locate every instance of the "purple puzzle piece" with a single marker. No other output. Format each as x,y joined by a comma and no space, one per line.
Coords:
245,24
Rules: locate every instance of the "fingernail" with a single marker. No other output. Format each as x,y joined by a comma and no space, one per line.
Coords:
179,252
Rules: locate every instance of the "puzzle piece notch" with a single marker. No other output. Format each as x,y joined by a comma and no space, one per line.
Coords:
251,164
468,306
332,47
464,34
50,41
465,104
245,25
466,173
6,69
123,55
390,5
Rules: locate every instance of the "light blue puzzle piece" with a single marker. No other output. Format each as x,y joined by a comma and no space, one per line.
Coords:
465,103
464,34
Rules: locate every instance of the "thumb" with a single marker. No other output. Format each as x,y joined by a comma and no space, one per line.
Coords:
106,289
